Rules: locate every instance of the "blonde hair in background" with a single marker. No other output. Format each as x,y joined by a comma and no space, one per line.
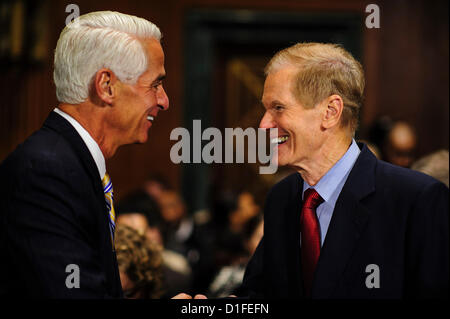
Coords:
435,164
103,39
141,260
324,70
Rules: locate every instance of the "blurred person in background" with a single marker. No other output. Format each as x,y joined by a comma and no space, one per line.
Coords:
178,223
239,210
56,199
400,145
395,141
435,164
246,210
140,264
229,277
155,185
141,224
147,214
177,273
184,235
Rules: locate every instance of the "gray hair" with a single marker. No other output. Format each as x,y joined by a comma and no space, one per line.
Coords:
435,165
103,39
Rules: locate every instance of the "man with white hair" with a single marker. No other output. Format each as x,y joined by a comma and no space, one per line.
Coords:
346,225
57,214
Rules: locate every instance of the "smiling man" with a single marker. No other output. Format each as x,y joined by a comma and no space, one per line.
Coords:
346,225
57,221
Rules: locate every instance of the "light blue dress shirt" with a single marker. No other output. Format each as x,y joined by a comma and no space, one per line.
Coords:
330,185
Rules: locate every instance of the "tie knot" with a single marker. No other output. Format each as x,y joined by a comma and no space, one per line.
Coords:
312,198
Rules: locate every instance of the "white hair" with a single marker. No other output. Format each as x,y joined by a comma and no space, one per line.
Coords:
103,39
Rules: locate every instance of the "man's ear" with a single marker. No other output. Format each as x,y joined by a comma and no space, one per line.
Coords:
334,106
104,85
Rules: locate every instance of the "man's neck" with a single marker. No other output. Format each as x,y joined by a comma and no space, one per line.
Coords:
313,169
91,118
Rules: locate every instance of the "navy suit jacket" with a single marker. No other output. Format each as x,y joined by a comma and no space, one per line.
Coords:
394,218
53,214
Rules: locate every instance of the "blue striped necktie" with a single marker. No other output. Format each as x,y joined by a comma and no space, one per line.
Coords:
109,199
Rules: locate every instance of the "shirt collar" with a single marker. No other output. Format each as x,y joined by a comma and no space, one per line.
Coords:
91,144
333,178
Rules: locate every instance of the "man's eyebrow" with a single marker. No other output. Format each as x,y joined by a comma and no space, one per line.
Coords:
160,78
273,102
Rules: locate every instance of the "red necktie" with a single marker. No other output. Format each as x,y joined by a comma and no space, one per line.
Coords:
310,234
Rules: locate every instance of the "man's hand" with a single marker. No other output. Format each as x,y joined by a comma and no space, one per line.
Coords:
186,296
182,296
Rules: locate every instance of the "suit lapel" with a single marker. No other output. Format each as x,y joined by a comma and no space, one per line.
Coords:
293,253
61,125
346,225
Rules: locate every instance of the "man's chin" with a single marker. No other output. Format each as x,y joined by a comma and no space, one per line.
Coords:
281,159
280,162
142,139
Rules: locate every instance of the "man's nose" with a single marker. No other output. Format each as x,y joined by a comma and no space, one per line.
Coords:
162,99
267,121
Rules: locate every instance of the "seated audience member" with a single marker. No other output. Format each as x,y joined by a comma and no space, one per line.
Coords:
396,141
401,145
140,223
246,210
178,223
183,235
435,165
155,185
141,211
140,264
229,277
239,210
176,270
140,201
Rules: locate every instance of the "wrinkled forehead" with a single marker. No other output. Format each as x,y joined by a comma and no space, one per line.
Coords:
278,83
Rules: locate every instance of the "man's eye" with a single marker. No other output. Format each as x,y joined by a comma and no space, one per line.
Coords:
278,108
156,85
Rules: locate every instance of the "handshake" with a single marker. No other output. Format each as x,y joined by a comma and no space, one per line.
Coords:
186,296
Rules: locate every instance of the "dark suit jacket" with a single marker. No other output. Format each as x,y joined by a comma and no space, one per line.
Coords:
53,214
385,215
